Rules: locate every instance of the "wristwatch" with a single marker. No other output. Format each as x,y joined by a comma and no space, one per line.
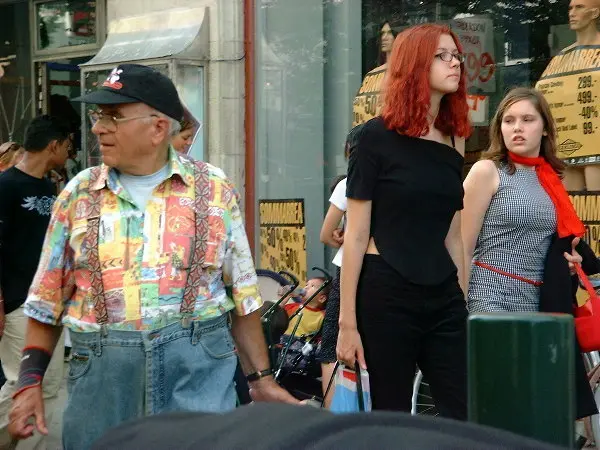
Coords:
258,375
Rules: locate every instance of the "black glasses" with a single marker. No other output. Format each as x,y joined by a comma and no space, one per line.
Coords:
447,57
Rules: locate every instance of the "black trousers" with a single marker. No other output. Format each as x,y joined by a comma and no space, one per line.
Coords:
404,325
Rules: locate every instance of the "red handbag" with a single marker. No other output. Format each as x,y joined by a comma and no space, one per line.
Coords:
587,317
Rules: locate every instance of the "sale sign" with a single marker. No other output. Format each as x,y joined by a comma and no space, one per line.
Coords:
476,35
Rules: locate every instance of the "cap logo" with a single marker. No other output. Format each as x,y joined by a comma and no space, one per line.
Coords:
113,79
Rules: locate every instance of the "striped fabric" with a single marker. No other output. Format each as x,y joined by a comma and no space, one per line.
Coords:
515,236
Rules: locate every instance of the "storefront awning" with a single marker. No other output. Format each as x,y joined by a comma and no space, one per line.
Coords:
180,33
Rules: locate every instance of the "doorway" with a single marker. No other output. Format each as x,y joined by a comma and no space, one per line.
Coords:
57,83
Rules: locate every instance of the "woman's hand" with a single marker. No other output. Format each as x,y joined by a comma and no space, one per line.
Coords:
574,257
350,348
338,236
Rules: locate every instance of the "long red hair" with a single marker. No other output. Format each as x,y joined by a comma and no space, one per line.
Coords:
407,92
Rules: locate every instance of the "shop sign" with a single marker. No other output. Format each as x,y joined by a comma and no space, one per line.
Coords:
476,35
367,103
571,84
587,205
479,106
283,236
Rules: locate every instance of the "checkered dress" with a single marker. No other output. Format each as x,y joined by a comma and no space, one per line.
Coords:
515,236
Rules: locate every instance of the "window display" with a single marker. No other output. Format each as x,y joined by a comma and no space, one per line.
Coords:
329,61
571,83
62,23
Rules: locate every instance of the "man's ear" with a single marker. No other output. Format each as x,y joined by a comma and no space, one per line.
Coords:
53,146
162,126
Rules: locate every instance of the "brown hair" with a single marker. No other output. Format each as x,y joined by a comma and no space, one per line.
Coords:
186,125
498,152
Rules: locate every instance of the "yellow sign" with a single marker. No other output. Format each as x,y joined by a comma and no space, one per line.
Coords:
367,103
587,205
571,84
283,236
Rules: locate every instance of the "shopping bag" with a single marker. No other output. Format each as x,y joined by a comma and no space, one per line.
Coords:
352,391
587,317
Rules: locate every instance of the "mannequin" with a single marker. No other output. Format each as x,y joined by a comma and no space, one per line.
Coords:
570,93
367,102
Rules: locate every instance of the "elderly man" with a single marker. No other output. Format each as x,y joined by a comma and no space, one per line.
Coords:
144,258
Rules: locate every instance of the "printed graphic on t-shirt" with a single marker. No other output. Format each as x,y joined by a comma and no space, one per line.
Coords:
43,205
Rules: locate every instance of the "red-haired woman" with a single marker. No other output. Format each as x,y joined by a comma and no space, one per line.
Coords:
403,278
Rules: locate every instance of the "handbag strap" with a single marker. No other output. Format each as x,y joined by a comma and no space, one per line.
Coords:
337,365
359,387
586,281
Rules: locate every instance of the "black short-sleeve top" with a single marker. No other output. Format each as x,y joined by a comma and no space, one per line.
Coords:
415,186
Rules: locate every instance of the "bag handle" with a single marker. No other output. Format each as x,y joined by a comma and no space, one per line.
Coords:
337,365
359,388
586,281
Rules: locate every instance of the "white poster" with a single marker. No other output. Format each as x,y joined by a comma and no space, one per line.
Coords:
477,37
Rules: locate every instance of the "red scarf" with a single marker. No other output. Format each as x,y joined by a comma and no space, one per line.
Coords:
567,221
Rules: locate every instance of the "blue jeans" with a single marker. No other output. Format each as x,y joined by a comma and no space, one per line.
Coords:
121,375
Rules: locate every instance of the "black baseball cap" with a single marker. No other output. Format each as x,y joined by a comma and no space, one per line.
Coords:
135,83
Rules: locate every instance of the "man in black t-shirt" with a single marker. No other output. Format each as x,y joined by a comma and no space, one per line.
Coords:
26,199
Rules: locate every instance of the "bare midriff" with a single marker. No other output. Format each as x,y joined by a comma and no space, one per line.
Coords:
372,248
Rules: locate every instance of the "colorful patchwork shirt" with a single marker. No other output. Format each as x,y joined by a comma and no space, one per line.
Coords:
144,254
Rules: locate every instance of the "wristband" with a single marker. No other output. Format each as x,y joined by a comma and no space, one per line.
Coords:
34,363
258,375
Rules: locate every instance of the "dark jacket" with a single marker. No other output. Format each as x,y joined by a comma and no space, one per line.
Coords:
557,295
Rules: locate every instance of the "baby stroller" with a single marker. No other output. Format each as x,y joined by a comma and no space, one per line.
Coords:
293,357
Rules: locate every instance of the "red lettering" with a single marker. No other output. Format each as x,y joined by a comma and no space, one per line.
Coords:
481,68
487,62
473,67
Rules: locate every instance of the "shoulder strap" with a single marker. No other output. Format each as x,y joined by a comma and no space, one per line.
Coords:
453,142
198,253
90,241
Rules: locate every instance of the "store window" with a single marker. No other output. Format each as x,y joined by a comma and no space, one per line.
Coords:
319,69
16,98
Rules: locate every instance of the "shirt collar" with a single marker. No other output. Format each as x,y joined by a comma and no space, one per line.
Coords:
180,165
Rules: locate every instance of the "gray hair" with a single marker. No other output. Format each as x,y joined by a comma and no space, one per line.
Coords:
174,125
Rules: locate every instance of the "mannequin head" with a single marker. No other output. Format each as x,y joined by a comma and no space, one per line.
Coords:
385,42
583,14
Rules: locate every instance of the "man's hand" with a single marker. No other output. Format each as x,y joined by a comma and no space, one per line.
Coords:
27,405
267,390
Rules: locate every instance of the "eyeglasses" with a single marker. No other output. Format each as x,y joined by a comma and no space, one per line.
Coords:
111,123
447,57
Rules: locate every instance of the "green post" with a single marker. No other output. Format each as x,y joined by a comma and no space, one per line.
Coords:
521,374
